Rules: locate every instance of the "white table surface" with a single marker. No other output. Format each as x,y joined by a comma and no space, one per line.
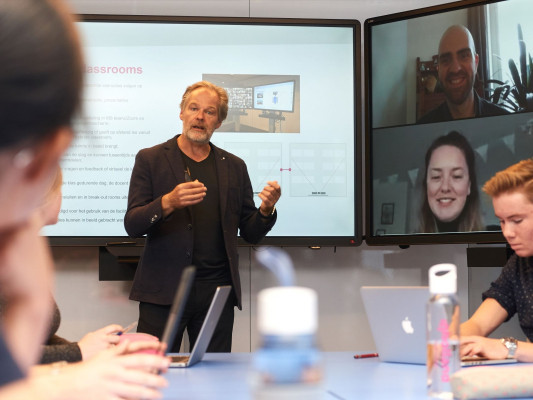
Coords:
227,376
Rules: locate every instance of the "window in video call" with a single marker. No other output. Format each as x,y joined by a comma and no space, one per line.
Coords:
411,103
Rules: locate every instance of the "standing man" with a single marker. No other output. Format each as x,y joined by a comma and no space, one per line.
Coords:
457,69
191,198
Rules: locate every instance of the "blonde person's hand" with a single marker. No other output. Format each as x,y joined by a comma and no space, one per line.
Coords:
94,342
118,373
483,347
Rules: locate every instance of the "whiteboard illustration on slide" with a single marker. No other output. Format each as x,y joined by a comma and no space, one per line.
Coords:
318,169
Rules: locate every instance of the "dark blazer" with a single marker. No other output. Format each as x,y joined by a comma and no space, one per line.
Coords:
169,241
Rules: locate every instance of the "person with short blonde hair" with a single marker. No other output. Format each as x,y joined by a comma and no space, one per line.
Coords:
512,198
518,177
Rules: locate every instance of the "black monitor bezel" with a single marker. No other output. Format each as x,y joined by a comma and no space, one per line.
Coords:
308,241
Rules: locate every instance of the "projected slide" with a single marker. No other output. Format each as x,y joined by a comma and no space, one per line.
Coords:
291,121
260,103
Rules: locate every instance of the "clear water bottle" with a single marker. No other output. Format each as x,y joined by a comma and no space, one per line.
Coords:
442,330
288,363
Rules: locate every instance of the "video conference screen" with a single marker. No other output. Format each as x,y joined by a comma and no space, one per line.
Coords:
446,111
294,94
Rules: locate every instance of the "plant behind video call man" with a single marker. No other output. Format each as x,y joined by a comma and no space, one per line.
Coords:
457,68
191,199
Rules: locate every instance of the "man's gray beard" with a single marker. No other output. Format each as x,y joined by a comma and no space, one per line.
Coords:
195,139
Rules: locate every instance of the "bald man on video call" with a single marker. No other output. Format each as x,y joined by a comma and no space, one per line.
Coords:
457,68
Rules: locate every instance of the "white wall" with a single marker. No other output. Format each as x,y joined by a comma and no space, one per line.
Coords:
352,9
336,273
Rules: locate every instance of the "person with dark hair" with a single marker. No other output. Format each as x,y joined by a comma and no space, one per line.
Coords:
450,194
40,82
511,191
57,348
40,85
457,68
191,198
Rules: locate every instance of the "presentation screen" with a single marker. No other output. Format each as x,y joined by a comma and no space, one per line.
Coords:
450,101
294,117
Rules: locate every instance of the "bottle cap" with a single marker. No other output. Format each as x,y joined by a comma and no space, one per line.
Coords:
443,279
287,310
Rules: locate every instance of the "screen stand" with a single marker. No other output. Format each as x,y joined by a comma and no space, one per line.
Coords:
273,117
487,255
118,262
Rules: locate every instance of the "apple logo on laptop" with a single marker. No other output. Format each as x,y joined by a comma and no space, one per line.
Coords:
407,326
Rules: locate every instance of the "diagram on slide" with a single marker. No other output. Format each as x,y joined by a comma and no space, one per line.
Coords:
318,169
263,161
313,169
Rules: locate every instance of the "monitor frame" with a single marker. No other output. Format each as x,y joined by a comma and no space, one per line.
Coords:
371,238
310,241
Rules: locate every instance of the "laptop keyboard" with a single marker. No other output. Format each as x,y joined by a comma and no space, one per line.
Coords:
180,359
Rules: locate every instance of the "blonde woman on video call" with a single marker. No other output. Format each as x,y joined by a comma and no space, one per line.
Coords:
450,195
511,191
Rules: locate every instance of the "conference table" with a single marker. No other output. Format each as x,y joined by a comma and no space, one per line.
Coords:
222,376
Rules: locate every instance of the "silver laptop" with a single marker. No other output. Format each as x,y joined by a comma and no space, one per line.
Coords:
397,318
206,332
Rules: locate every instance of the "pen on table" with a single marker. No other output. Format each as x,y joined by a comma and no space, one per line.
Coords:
367,355
128,328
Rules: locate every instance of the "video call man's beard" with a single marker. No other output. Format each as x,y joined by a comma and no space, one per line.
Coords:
456,96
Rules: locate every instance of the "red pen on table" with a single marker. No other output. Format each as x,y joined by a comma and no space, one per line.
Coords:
367,355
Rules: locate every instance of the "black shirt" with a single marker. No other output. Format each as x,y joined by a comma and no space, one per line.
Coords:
482,108
513,290
452,226
209,252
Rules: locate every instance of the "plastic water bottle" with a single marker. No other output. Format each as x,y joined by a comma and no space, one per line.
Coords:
288,363
442,331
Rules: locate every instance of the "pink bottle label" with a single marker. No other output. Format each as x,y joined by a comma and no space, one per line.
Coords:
446,354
